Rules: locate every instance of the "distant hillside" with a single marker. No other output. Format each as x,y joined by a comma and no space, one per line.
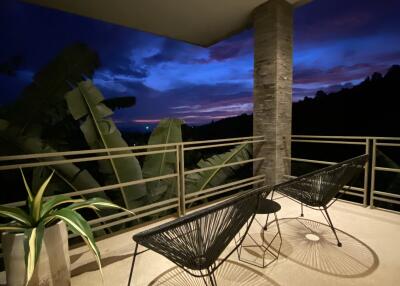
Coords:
370,108
238,126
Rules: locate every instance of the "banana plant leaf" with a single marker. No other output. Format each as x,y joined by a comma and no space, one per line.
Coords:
199,181
74,177
85,104
167,131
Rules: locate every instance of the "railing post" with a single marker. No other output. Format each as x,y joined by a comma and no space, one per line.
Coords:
178,178
366,172
373,166
180,169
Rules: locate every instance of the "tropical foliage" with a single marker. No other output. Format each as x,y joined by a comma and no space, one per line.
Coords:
217,176
155,165
64,110
41,214
85,104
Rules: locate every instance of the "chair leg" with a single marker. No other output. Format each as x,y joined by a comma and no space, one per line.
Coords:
212,278
328,219
279,233
266,223
133,264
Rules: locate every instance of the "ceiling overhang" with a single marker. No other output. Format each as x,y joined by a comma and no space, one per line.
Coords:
199,22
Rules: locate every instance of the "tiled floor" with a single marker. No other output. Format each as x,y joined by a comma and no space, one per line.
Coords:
309,256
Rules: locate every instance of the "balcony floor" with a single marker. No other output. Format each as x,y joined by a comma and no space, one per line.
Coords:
370,254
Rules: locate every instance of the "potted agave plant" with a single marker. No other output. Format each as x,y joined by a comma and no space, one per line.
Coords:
35,242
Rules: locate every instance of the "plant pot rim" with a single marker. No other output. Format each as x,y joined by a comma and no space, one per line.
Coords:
21,233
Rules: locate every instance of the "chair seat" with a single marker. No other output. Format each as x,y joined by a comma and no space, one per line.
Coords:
267,206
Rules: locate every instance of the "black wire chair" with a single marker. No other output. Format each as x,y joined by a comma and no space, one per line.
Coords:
196,241
320,189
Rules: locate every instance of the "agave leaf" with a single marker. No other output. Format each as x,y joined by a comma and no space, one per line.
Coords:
54,202
85,104
167,131
37,200
16,214
28,190
77,224
97,203
215,177
33,238
76,178
69,173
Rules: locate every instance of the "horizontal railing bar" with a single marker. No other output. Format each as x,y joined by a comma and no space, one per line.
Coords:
103,188
328,142
120,185
309,161
386,200
223,140
353,188
347,137
137,210
290,176
15,204
222,145
223,166
134,217
103,226
351,193
385,194
384,169
357,189
224,186
83,152
388,144
84,159
117,149
224,191
333,137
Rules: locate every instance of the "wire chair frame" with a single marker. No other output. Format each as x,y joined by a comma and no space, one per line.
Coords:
195,242
318,190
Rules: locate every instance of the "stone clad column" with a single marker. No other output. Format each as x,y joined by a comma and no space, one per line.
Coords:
273,65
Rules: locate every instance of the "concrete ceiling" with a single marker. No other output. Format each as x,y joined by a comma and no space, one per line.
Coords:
199,22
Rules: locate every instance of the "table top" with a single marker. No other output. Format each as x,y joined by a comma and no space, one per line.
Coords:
267,206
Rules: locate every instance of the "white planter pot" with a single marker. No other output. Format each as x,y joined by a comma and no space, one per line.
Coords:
53,266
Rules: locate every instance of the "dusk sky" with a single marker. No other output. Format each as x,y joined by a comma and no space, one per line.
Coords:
337,43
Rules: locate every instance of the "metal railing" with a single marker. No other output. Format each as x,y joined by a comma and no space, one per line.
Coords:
179,203
183,200
367,145
381,196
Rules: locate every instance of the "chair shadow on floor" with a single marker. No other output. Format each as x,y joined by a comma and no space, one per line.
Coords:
313,245
229,273
93,266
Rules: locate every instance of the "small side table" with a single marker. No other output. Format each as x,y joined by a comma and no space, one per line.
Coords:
268,207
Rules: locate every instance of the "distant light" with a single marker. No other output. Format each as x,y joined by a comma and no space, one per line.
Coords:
147,127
